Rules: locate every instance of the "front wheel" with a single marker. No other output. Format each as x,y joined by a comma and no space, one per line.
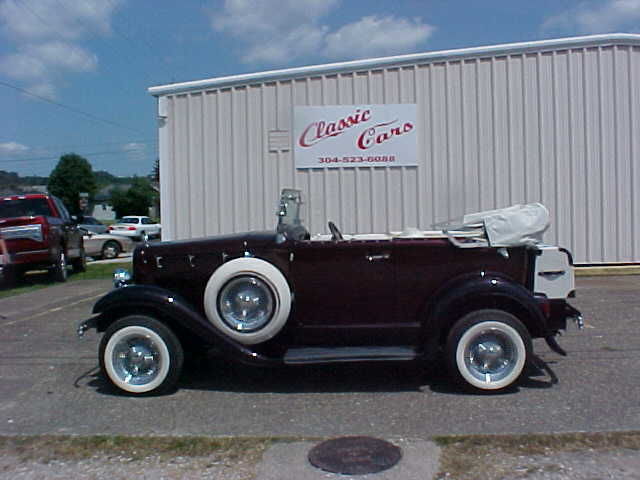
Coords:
111,249
488,349
140,355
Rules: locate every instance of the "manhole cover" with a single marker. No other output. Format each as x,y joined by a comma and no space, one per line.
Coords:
354,455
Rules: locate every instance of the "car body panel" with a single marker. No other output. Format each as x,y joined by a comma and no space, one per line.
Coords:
94,243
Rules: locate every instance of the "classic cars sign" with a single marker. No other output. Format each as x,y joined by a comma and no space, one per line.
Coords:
355,136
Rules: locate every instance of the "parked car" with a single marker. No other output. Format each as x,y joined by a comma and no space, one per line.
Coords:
137,227
92,225
40,234
106,246
476,293
4,260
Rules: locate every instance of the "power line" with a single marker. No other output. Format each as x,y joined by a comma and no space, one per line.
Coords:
73,146
71,109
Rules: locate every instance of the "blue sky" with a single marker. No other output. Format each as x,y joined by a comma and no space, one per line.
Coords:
94,59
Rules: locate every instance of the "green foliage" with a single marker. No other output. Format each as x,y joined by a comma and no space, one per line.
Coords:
11,182
155,173
134,201
72,175
105,178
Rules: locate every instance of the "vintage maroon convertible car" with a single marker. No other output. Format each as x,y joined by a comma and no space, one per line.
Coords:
478,294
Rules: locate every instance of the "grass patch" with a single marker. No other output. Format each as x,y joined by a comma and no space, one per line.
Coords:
40,279
472,457
48,448
99,271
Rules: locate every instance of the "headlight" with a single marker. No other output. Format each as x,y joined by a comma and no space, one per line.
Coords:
121,278
33,232
246,303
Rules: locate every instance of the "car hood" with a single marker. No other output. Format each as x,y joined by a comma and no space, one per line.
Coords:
234,241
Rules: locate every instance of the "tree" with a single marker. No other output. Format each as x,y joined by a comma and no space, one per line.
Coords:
134,201
73,175
155,173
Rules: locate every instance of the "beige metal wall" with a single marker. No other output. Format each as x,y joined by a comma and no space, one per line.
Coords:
556,126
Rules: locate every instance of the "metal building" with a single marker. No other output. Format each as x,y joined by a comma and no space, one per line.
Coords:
554,121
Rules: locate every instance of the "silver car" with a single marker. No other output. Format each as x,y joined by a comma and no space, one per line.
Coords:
138,227
104,245
93,225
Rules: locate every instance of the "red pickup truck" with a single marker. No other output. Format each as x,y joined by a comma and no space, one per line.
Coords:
38,233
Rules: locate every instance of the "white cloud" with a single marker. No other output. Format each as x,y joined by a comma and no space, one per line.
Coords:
34,62
257,17
278,32
135,151
596,17
12,148
374,35
43,89
304,40
22,66
46,35
47,19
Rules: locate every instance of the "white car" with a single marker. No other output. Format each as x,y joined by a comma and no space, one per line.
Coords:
136,227
105,246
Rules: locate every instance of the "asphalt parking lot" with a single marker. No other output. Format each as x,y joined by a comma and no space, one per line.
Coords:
49,382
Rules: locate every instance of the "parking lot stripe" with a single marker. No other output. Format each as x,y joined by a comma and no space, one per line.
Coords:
51,310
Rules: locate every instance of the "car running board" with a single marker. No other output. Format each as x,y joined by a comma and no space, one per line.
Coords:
307,355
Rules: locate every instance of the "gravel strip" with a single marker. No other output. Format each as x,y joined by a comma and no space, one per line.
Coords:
12,467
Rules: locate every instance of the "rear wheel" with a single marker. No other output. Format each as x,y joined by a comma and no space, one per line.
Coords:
59,269
141,355
488,349
110,249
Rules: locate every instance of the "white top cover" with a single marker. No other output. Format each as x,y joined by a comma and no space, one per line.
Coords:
513,226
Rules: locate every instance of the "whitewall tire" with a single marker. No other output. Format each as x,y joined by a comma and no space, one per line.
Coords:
140,355
248,299
488,349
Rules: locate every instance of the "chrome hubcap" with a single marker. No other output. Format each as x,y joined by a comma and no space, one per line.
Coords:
63,265
491,355
136,360
246,303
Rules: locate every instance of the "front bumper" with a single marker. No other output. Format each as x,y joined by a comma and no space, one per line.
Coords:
85,325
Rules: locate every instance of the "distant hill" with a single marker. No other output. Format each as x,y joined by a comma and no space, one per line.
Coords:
11,182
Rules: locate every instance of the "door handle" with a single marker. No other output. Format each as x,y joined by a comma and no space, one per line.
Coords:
378,257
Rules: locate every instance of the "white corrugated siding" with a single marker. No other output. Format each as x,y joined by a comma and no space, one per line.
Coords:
558,127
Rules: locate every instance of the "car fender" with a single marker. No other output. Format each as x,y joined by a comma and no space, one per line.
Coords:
176,309
482,290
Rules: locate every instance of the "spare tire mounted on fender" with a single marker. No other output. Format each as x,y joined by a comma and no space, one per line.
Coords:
248,299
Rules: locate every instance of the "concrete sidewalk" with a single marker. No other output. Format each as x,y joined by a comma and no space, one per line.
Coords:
289,461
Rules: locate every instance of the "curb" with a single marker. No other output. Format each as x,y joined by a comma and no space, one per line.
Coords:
607,270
